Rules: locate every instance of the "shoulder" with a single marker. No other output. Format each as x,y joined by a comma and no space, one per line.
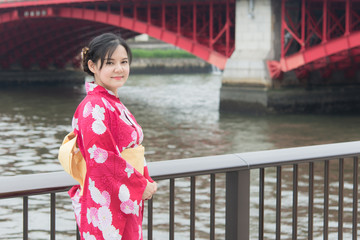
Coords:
92,113
97,106
90,102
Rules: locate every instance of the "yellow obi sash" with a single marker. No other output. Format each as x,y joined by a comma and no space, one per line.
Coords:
74,163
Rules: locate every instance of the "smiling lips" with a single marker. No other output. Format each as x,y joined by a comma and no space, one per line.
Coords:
118,77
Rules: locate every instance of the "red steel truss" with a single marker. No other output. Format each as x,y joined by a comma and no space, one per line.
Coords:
47,33
321,35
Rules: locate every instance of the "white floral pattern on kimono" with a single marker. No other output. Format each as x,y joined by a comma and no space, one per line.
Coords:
111,206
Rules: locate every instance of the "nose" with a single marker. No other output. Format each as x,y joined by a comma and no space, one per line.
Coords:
118,67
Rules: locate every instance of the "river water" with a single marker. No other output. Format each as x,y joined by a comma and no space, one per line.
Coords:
180,118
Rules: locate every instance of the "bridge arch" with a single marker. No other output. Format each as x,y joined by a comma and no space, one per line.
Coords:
65,29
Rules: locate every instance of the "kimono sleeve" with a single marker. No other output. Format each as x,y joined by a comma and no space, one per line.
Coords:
105,167
146,172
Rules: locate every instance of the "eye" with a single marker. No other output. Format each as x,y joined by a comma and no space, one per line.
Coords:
109,63
124,62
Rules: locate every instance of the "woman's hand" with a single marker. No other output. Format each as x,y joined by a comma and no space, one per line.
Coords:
150,189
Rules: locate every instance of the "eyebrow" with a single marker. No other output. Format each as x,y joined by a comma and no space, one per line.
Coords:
113,59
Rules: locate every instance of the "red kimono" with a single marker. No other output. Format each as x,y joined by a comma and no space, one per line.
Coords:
111,206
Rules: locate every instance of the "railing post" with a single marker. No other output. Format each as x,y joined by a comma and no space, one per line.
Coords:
52,216
150,219
172,210
25,217
237,205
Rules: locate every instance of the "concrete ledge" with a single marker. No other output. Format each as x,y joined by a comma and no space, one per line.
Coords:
21,77
326,99
243,99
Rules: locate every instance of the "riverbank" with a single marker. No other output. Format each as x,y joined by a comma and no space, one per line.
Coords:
41,77
169,65
156,57
138,66
150,57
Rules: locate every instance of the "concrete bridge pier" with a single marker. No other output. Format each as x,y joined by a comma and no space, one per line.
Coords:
247,86
245,82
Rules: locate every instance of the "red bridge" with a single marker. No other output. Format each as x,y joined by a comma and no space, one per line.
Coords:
47,32
322,35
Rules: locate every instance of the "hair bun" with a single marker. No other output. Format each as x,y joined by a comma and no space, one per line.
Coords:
84,53
85,59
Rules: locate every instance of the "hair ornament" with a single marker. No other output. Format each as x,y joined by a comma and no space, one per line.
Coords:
84,52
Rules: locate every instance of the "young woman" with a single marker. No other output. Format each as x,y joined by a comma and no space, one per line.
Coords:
110,203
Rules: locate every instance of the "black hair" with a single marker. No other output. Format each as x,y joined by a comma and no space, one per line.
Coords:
100,46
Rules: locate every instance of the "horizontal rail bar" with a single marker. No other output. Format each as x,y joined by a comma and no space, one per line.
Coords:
32,184
251,160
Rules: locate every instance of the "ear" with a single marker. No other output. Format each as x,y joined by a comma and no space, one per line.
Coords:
92,66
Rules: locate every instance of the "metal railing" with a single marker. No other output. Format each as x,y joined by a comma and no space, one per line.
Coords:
237,168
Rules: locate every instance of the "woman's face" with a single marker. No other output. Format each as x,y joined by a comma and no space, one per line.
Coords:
114,72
